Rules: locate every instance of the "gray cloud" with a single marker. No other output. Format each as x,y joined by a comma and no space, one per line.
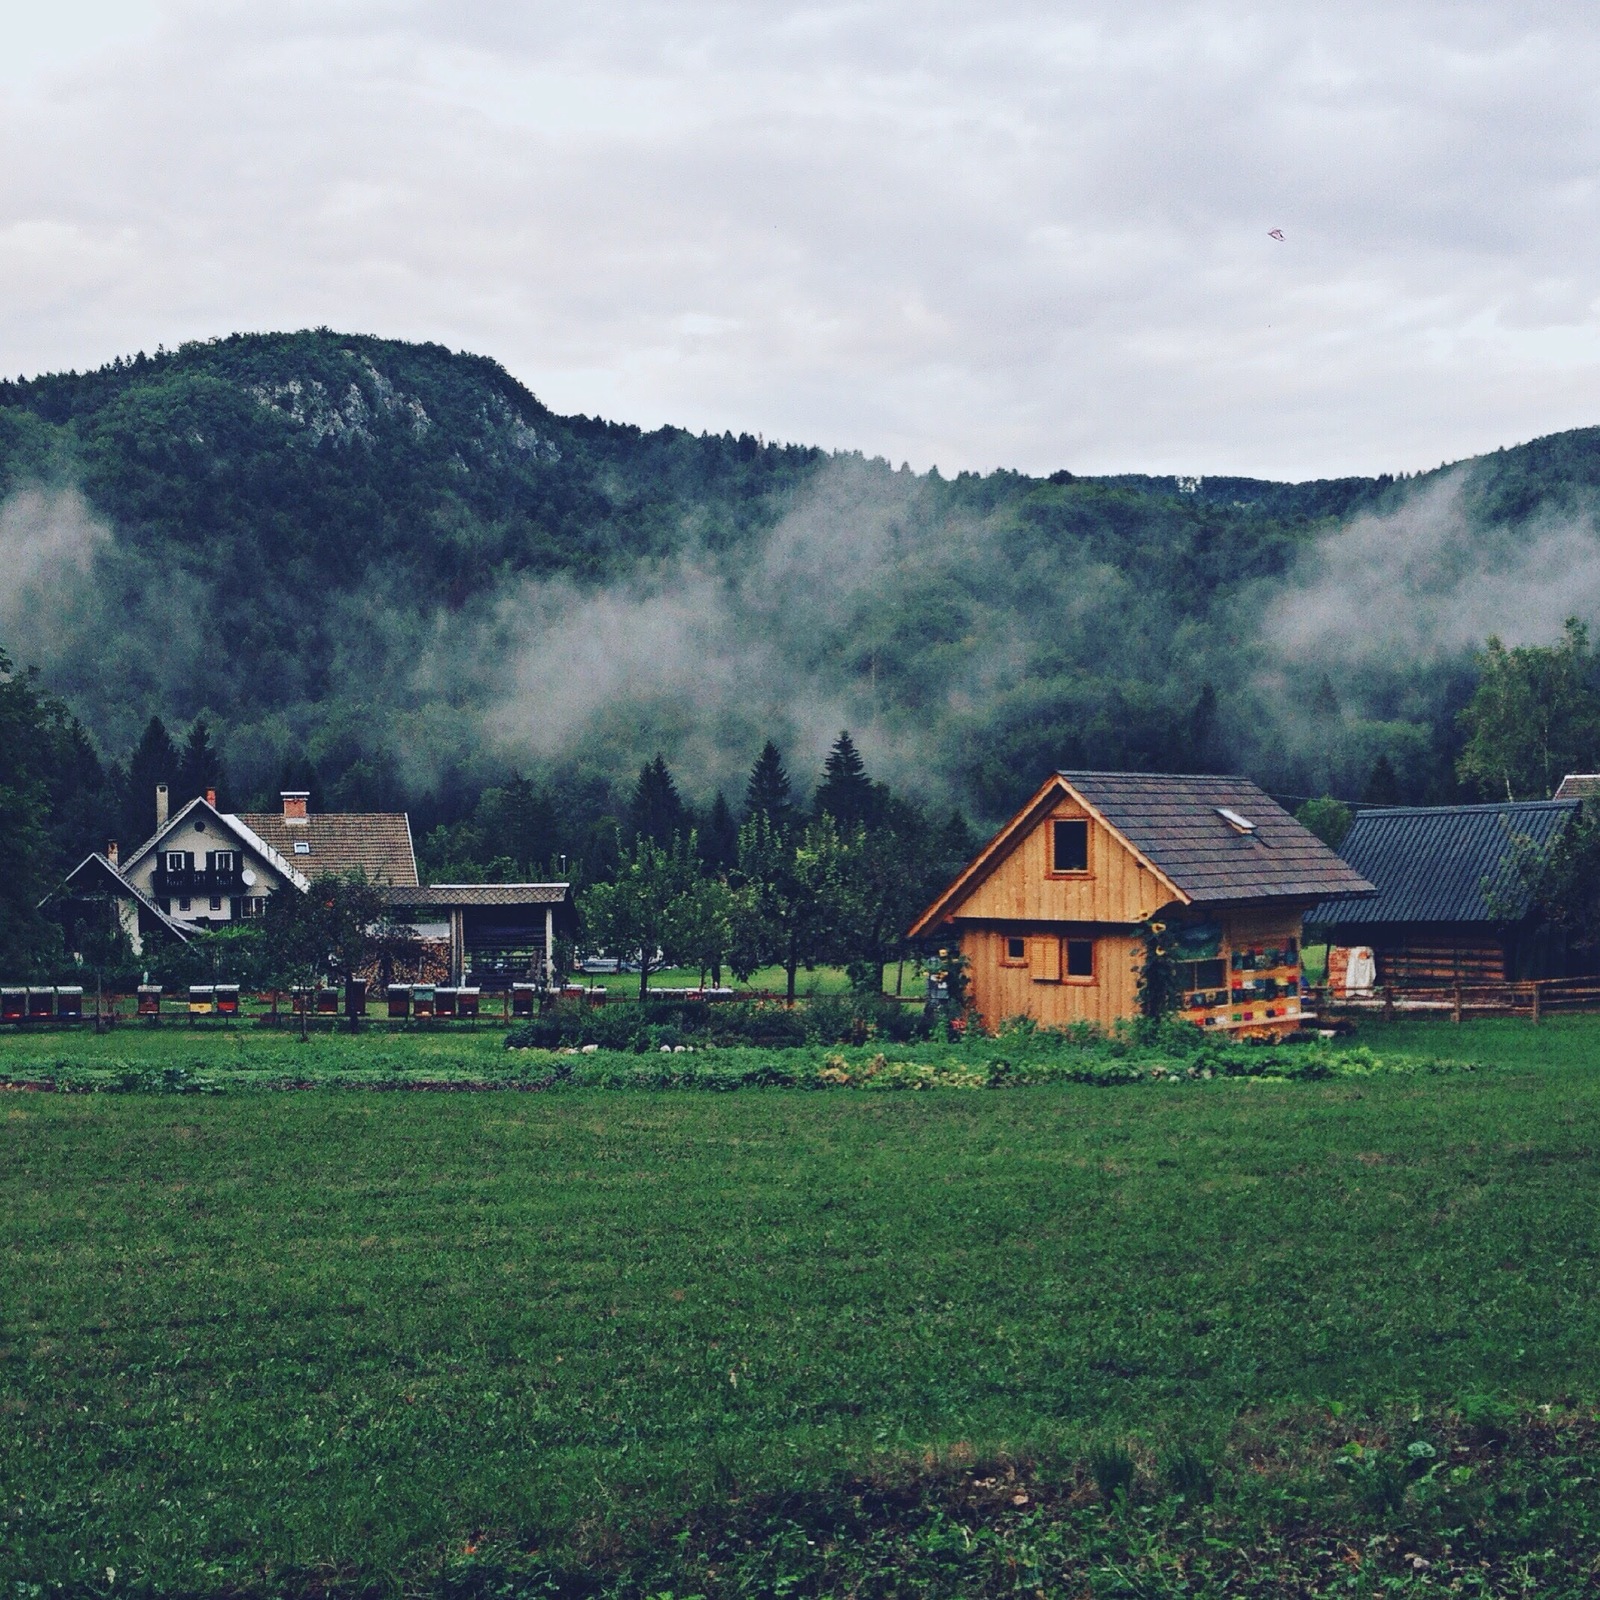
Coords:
1021,233
707,659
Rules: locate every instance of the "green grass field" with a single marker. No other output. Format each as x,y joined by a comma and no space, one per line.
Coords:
1227,1337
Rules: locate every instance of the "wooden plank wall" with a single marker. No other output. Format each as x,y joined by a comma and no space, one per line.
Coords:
1441,957
1000,990
1116,888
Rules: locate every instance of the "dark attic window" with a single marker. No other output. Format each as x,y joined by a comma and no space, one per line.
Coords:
1070,846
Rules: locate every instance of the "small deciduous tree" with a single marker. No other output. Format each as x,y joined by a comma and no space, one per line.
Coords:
1558,881
1533,717
642,910
703,935
328,930
791,896
1328,818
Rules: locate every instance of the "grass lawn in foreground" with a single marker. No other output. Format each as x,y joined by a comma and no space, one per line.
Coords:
343,1342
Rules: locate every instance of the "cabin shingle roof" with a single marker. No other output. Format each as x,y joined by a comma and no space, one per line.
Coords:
1431,863
1175,821
377,843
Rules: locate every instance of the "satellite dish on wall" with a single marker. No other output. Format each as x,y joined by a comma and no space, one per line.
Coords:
247,877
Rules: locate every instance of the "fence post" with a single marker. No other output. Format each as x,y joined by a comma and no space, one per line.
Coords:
1536,993
1455,1008
1388,1003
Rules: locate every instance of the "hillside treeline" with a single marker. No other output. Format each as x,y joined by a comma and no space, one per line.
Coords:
391,571
388,574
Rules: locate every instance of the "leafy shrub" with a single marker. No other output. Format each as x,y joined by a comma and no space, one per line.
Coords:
764,1024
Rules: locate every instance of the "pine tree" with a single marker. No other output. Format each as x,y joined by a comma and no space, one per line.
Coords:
200,767
529,823
846,792
656,811
719,839
1383,787
154,760
768,792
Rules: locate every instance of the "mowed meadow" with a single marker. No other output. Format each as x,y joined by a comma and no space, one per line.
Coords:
1231,1336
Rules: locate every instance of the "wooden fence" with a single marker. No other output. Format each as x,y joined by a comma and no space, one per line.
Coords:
1532,999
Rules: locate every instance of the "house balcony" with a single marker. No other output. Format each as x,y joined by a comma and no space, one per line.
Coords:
198,881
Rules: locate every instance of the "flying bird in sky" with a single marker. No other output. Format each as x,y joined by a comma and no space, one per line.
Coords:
1275,233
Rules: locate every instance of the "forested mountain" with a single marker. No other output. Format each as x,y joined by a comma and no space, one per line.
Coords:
388,570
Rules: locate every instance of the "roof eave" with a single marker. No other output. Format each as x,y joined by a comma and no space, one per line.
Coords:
1000,846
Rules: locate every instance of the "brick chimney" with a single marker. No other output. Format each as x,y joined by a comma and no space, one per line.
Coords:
161,806
111,851
295,804
211,798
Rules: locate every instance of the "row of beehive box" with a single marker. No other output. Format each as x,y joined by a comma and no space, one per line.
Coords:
432,1000
19,1004
205,999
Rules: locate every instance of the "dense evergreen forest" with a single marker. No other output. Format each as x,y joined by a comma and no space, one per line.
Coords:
386,571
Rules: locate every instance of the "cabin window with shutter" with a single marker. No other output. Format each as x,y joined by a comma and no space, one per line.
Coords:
1044,957
1069,845
1080,960
177,861
224,860
1014,951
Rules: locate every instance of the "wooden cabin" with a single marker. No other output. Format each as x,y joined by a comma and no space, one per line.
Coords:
1049,914
1449,909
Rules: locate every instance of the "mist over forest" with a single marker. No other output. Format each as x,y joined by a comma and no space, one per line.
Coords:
389,571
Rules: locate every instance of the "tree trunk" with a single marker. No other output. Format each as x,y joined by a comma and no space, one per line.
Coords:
644,975
790,967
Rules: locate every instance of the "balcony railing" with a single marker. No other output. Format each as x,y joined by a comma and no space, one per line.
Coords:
198,881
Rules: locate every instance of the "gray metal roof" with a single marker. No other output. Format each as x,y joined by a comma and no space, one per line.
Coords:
1176,821
1431,863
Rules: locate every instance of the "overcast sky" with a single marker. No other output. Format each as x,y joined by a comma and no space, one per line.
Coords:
974,235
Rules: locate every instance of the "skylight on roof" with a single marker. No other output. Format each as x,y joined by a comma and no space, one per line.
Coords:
1235,821
302,847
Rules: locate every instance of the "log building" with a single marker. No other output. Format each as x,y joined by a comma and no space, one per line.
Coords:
1450,908
1049,914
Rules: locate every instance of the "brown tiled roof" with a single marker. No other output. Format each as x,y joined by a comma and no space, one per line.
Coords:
1579,786
444,896
377,843
1174,820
